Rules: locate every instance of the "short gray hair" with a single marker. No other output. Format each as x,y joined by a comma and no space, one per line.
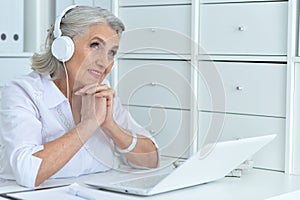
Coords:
74,23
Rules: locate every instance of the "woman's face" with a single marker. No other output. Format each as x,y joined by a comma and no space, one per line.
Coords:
93,56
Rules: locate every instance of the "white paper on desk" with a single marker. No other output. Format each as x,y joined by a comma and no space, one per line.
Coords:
287,196
62,193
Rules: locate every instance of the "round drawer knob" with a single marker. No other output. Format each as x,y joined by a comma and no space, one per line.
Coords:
16,37
241,28
3,36
153,30
239,88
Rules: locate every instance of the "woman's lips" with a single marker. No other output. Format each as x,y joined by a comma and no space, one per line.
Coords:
95,73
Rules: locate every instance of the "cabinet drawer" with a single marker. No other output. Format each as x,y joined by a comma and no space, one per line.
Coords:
239,126
154,83
167,31
250,88
244,28
170,128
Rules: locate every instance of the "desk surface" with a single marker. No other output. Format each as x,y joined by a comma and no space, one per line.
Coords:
254,184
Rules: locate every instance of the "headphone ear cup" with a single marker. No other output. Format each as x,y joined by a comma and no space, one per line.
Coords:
62,48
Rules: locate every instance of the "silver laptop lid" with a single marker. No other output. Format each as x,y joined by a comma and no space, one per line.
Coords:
222,159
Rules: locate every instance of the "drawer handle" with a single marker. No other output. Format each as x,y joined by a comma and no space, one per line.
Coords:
239,88
241,28
153,30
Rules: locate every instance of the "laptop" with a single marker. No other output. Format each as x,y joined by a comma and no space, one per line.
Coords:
198,169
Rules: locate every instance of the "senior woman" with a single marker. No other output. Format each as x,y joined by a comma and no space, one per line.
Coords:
63,119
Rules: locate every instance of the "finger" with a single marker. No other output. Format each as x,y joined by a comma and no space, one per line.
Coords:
91,89
100,88
109,93
82,90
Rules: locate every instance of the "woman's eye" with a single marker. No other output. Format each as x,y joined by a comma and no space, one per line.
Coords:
112,53
95,45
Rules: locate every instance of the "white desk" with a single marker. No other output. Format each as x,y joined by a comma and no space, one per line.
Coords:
254,184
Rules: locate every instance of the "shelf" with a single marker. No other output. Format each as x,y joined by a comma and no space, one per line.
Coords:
244,58
16,55
154,56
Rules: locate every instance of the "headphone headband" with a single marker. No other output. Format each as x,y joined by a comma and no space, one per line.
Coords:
57,31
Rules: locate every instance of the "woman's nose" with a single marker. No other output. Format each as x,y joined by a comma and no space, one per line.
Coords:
103,63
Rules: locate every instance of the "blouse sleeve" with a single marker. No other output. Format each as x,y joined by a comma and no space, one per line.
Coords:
19,127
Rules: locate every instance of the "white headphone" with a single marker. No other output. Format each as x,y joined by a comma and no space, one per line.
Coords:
62,47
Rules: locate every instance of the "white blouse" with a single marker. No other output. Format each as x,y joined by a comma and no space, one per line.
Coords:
34,112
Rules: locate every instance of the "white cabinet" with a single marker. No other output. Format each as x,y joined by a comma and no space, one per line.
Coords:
61,5
157,94
38,17
153,76
154,83
241,126
245,70
244,28
153,29
169,127
11,26
245,40
249,87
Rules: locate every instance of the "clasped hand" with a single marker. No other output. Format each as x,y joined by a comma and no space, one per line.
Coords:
97,104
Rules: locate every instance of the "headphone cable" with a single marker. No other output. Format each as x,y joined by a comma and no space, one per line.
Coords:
67,80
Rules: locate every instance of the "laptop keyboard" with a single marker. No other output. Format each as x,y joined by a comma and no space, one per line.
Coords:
143,183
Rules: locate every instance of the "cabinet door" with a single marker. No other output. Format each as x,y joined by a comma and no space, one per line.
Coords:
250,88
12,26
244,28
154,83
170,128
242,126
156,29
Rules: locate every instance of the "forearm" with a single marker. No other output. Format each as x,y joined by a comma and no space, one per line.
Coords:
58,152
143,154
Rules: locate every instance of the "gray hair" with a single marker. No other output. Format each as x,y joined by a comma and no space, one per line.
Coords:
74,23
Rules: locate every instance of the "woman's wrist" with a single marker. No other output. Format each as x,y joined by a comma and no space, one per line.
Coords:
109,127
86,128
124,140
